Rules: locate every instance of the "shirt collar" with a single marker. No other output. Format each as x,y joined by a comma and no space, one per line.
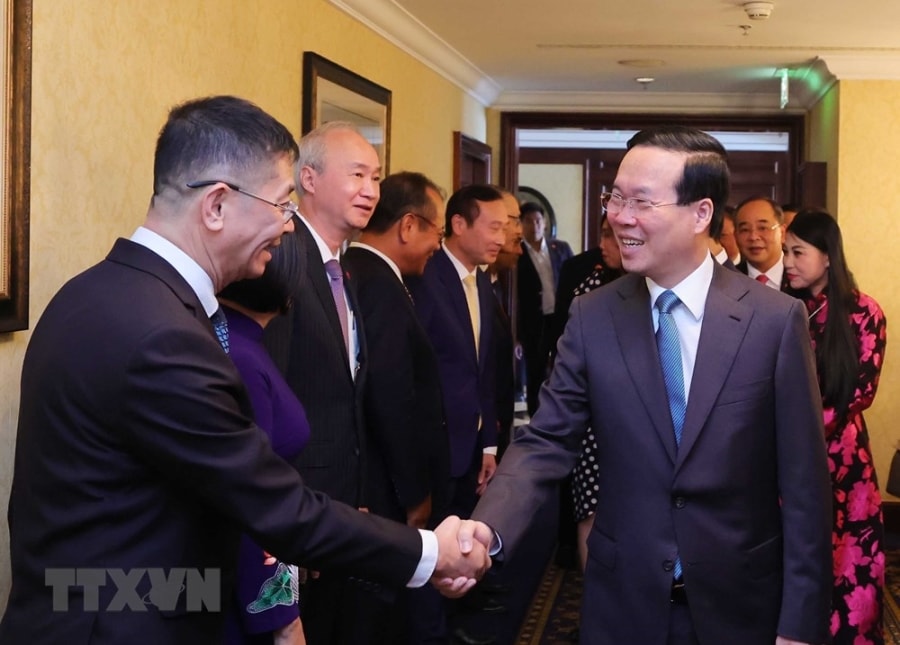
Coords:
388,261
324,251
691,291
184,264
775,272
460,268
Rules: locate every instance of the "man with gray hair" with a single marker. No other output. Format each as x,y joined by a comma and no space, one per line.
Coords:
322,349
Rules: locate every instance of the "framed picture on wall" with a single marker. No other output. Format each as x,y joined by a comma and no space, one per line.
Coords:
15,141
334,93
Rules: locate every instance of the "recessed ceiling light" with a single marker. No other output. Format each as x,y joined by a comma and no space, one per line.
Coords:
642,62
645,79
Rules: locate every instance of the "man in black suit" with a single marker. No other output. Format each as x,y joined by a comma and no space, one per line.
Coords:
322,349
407,450
759,229
538,277
137,464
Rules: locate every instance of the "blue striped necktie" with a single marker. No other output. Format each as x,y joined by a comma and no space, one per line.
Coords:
670,358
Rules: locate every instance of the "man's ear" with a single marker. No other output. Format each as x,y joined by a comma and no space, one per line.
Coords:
307,179
405,227
704,213
212,206
458,224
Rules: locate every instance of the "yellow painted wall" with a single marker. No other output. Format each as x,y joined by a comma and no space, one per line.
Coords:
867,198
823,140
106,73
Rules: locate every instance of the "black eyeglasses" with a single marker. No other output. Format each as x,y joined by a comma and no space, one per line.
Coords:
440,231
288,209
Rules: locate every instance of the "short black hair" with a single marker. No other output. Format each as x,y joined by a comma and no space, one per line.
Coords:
401,193
776,207
464,202
271,292
214,132
706,173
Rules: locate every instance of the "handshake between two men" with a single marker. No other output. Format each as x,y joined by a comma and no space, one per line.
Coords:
463,555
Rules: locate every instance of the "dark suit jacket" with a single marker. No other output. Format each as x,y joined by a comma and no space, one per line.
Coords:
408,453
506,382
572,273
467,381
745,499
310,347
135,449
529,289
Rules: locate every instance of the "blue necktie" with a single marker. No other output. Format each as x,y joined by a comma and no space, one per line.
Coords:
670,358
220,324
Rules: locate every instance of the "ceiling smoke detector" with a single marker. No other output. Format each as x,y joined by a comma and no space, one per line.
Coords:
758,10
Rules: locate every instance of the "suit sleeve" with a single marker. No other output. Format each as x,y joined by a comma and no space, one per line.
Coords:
804,485
544,451
180,410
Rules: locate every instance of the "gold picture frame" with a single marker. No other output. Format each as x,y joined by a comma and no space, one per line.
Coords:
334,93
15,140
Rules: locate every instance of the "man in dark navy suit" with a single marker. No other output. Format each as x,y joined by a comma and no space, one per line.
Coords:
456,305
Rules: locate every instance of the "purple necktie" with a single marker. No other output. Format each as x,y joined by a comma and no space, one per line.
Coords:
336,278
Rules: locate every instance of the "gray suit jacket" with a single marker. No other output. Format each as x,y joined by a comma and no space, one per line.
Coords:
745,499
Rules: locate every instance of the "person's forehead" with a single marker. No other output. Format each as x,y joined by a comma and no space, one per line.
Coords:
350,147
756,211
645,167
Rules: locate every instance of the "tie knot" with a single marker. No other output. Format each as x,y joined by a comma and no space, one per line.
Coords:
762,278
667,301
469,280
333,269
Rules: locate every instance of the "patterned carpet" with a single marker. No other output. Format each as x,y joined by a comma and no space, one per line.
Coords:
553,616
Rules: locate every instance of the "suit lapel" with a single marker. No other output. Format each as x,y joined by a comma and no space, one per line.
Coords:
725,321
486,300
634,329
322,289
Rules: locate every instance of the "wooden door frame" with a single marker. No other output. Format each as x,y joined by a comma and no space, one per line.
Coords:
510,122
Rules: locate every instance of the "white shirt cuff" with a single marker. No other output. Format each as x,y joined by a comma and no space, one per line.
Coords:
428,562
491,450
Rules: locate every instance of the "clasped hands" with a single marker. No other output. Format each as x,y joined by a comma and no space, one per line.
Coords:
462,555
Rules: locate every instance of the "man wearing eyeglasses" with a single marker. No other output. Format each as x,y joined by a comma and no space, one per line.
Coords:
407,450
759,233
137,463
713,516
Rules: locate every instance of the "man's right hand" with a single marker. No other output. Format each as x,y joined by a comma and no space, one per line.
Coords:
462,555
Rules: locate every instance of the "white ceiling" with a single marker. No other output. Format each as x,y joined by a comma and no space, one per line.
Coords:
567,54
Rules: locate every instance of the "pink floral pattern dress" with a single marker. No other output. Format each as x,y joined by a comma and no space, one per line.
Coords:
858,534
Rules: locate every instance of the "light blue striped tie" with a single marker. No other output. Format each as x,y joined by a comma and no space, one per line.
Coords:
670,358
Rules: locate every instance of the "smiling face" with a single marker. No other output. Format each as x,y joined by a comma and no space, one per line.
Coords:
805,265
664,243
251,227
480,242
759,234
345,192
